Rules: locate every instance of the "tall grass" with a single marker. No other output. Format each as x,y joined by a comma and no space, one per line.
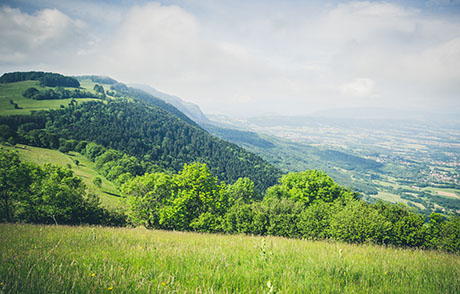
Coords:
59,259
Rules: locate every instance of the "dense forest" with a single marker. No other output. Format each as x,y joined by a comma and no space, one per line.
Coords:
124,91
146,132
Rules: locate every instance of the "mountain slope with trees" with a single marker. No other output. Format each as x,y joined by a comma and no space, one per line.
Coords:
139,125
190,109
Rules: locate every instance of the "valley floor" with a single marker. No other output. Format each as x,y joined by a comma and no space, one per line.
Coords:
61,259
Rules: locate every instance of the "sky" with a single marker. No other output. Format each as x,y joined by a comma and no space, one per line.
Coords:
247,58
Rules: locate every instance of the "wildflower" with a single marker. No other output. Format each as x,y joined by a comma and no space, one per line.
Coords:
1,284
110,288
93,274
270,287
163,283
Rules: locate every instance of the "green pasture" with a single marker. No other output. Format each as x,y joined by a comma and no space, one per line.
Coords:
85,169
13,91
60,259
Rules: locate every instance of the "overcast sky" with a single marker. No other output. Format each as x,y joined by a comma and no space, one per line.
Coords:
249,57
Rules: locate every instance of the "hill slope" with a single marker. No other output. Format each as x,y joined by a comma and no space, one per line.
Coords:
85,169
138,124
191,110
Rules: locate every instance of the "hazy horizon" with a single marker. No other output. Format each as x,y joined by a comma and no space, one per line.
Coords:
249,58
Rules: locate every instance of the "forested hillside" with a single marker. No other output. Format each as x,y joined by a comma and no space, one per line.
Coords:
123,90
190,109
139,125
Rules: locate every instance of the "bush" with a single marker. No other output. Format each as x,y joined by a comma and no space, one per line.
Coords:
356,222
314,221
239,219
307,187
30,93
449,234
48,194
282,217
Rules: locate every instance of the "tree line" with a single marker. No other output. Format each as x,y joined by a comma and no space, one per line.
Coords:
59,93
47,79
121,90
305,204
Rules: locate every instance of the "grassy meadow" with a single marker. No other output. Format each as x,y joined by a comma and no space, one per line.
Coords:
13,91
60,259
85,170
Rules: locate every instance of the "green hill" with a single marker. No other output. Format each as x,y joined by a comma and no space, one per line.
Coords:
11,93
80,165
128,120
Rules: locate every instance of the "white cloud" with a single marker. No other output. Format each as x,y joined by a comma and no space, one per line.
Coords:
412,58
157,42
366,20
360,87
242,98
166,47
45,36
247,58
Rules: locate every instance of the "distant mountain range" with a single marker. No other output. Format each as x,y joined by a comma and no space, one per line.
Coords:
193,111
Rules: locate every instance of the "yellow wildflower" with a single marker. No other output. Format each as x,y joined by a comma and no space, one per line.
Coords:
163,283
110,288
93,274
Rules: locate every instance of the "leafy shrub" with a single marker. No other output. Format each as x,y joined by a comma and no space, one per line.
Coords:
48,194
357,222
314,220
307,187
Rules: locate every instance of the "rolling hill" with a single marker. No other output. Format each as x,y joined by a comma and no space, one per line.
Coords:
129,120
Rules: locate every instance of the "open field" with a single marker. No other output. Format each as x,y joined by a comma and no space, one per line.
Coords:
390,197
85,169
445,192
13,91
448,194
59,259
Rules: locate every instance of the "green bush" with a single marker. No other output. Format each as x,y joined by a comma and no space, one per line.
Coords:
357,222
314,220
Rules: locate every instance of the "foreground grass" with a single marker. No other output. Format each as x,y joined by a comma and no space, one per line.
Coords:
59,259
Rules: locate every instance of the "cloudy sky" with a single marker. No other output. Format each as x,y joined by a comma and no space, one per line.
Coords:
249,57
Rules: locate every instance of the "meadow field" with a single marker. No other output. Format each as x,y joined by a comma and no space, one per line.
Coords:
13,91
85,169
61,259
